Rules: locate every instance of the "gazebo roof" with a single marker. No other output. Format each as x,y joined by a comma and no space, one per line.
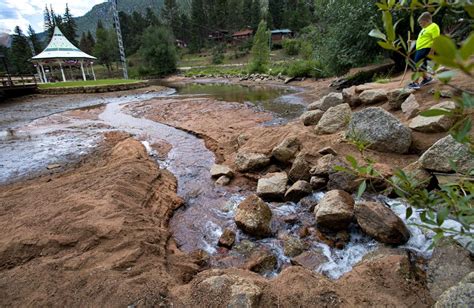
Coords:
60,48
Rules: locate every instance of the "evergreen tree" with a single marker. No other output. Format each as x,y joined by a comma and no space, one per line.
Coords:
20,53
275,8
151,18
221,14
90,39
35,42
170,14
247,13
106,49
184,32
235,20
69,26
198,21
48,23
158,52
260,54
87,42
256,14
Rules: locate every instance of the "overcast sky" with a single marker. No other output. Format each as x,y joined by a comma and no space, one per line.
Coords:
25,12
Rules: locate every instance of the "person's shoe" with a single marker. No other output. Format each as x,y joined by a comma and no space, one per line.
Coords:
426,81
414,86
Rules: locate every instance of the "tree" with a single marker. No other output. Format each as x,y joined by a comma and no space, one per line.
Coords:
69,26
20,52
247,13
198,22
87,42
106,49
256,14
170,14
158,52
275,8
35,42
260,54
48,22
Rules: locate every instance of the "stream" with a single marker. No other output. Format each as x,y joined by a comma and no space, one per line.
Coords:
208,209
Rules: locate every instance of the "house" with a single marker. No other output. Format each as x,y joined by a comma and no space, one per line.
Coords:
219,35
181,44
280,34
242,35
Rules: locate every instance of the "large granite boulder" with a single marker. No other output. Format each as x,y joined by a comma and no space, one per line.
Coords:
251,161
410,107
286,150
311,117
396,97
261,261
461,295
383,131
253,216
334,119
351,97
299,170
272,186
325,165
436,124
335,211
379,222
293,246
328,101
369,97
437,158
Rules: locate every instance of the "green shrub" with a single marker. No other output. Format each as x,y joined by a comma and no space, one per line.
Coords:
291,46
305,68
260,50
158,52
218,54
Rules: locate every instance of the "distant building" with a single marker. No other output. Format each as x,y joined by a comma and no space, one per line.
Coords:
242,35
181,44
219,35
280,34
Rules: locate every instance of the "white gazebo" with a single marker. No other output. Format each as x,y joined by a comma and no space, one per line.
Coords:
59,53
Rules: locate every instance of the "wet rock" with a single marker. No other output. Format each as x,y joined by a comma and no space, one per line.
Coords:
383,131
369,97
299,190
410,107
437,157
272,186
317,182
242,139
434,124
442,93
461,295
245,247
261,261
251,161
396,97
311,117
328,101
286,150
335,210
343,181
379,222
448,265
223,181
244,294
293,246
325,165
334,119
200,257
309,203
351,97
418,173
311,260
219,170
53,166
299,170
217,283
253,216
335,239
227,239
327,150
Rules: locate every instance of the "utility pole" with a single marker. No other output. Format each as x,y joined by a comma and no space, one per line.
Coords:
123,59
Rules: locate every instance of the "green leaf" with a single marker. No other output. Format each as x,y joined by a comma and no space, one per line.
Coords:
446,76
445,61
388,25
362,188
409,212
387,46
470,10
442,214
377,34
352,161
445,47
467,48
435,112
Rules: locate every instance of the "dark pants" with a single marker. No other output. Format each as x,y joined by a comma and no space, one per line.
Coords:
420,55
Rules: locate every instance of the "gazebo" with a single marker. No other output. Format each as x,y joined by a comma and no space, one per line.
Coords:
59,53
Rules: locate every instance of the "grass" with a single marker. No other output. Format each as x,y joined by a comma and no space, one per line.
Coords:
82,83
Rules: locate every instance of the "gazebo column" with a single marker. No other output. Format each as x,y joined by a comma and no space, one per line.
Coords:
62,71
44,73
92,68
39,73
82,69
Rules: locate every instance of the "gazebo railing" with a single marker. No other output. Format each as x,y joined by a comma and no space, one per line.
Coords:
9,80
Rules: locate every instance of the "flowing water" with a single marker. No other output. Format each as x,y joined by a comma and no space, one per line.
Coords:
208,209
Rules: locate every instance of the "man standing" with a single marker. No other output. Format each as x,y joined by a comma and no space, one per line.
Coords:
424,45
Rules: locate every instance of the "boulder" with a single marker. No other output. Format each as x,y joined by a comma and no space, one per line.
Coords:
272,186
299,190
438,156
325,165
253,216
410,107
293,246
379,222
219,170
334,119
286,150
299,170
436,124
343,181
449,264
418,173
251,161
311,117
331,100
310,260
244,294
327,150
369,97
351,97
383,131
335,210
227,239
461,295
396,97
261,261
335,239
223,181
317,182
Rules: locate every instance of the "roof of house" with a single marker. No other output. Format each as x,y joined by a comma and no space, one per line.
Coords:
243,32
60,48
282,31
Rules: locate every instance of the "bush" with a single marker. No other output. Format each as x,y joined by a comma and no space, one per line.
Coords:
218,54
305,68
158,52
260,50
291,46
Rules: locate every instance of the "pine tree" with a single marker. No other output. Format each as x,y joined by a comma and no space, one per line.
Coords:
260,54
275,8
256,14
90,39
221,14
247,13
198,22
20,52
158,51
35,42
48,22
151,18
69,26
106,49
87,42
170,14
